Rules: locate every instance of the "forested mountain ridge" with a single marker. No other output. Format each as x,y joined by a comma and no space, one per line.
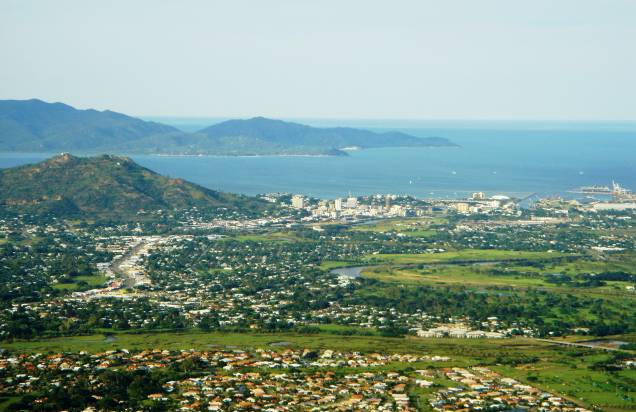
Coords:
106,185
37,126
283,136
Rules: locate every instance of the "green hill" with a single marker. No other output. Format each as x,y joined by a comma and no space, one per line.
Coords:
104,186
37,126
260,134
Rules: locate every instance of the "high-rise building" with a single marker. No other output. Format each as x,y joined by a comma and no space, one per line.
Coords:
337,204
298,201
462,207
352,202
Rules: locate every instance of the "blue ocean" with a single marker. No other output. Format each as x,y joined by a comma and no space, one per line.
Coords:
512,158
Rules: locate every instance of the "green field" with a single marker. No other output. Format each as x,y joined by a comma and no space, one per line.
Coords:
574,380
508,269
92,281
346,330
448,275
463,255
447,270
332,264
267,237
518,273
477,349
415,227
620,262
483,275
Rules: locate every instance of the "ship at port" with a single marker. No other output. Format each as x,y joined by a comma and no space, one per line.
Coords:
615,190
594,189
618,190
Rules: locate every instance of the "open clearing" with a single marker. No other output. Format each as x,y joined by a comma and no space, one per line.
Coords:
469,255
91,281
415,227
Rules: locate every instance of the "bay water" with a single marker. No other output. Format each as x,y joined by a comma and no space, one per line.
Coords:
511,158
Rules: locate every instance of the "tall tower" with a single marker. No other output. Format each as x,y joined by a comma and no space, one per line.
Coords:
298,201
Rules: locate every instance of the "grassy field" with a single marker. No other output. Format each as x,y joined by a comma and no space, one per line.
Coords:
615,263
332,264
267,237
629,337
477,350
463,255
92,281
465,275
482,276
416,227
551,367
346,330
574,380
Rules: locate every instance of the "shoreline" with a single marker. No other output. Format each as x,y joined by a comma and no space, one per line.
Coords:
230,155
345,153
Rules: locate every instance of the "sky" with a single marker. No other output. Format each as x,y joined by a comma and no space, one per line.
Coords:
364,59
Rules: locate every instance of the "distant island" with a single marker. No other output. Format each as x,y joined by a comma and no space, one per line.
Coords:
38,126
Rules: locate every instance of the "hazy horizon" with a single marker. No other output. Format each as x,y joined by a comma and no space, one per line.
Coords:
491,60
193,124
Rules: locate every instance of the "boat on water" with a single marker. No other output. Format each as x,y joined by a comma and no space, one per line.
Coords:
615,190
594,189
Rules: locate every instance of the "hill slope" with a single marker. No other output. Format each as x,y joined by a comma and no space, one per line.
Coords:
37,126
34,125
106,185
261,134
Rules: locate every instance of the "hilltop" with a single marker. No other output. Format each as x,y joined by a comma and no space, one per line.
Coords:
37,126
260,134
104,186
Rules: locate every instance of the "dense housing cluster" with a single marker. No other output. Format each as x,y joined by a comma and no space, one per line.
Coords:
380,267
481,388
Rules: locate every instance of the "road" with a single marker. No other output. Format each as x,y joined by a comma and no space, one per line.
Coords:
579,344
129,281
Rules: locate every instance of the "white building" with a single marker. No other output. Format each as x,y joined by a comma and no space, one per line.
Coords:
462,207
298,202
600,207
